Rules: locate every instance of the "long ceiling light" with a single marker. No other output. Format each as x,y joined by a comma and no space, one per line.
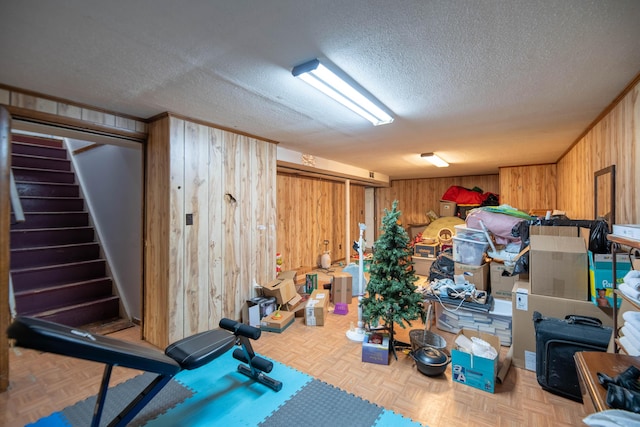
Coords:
327,82
434,159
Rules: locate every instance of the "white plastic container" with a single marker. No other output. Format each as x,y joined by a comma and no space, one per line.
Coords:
470,252
464,232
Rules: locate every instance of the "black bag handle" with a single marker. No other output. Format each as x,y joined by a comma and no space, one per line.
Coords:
584,320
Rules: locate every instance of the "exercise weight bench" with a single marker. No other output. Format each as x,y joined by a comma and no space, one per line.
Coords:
188,353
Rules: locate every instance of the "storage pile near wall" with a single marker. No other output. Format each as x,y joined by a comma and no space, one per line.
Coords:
418,196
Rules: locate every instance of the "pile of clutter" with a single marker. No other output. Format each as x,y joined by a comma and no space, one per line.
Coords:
459,288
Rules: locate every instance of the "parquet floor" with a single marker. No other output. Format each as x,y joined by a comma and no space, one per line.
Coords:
43,383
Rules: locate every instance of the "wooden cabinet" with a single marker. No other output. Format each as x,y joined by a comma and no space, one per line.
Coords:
588,364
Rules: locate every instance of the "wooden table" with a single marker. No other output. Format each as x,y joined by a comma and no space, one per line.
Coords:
588,364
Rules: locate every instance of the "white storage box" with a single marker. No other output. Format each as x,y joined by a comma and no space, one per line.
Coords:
497,321
464,232
469,252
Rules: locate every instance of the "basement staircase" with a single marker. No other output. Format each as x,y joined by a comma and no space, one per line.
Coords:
56,267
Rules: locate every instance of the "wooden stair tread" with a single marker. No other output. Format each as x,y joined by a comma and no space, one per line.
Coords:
60,286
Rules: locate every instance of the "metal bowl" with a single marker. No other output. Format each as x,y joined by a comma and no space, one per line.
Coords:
430,360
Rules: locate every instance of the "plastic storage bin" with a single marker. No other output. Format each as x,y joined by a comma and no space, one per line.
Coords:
470,252
464,232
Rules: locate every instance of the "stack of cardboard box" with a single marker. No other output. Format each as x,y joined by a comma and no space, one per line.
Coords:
558,286
283,289
305,292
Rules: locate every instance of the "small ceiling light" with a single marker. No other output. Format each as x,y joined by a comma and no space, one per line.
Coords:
435,160
327,82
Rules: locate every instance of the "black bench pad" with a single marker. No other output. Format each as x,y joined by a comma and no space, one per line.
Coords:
199,349
38,334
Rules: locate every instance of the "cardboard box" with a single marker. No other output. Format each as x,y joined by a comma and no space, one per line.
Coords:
475,371
525,303
422,265
299,309
293,304
476,274
501,286
414,229
601,277
553,230
342,288
558,267
272,323
426,250
282,290
375,353
448,208
289,274
315,312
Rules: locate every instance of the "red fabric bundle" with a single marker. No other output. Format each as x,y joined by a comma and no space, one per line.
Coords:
464,196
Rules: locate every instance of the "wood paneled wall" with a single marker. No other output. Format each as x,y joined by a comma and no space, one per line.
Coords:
310,211
416,197
612,141
196,274
5,226
529,187
55,110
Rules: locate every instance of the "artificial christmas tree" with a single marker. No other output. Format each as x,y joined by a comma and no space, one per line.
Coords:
391,294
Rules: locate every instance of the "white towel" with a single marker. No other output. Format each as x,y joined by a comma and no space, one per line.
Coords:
612,418
632,274
628,347
632,319
632,329
630,336
631,315
633,282
630,292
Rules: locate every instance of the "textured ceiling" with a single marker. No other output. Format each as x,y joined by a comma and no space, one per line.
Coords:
484,83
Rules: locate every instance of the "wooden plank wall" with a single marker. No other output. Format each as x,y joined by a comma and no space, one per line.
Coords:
311,210
529,187
613,140
56,110
224,181
418,196
157,223
5,226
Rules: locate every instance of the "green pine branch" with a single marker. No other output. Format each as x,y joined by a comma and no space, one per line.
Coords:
390,294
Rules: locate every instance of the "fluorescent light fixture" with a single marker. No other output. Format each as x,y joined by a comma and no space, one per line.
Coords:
327,82
435,160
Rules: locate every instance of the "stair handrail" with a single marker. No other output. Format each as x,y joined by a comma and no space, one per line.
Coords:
12,300
16,205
